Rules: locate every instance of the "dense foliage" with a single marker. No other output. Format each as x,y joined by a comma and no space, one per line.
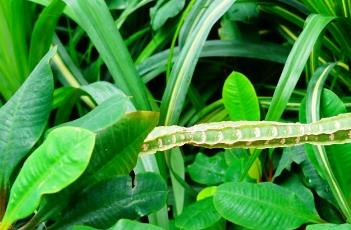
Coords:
83,82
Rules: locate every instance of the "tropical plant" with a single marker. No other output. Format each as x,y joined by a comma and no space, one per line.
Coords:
220,73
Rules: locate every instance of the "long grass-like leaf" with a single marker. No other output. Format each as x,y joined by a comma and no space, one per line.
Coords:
94,17
313,114
293,68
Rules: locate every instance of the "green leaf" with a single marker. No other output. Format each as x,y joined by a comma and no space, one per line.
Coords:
243,11
44,30
208,170
104,115
125,224
328,227
109,158
102,90
316,182
217,48
163,10
206,192
94,17
262,206
240,99
198,215
59,161
103,204
24,117
122,224
119,157
182,72
295,63
295,184
290,155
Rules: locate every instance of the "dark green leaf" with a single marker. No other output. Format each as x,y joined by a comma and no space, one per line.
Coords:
208,170
105,203
289,156
24,117
44,30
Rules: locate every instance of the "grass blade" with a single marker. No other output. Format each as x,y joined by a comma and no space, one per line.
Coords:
94,17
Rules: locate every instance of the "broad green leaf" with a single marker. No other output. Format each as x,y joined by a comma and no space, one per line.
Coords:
101,91
208,170
290,155
198,215
119,157
103,116
24,117
44,30
55,164
294,183
109,158
103,204
328,227
269,205
125,224
94,17
240,99
163,10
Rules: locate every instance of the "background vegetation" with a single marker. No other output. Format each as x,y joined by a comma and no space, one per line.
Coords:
83,82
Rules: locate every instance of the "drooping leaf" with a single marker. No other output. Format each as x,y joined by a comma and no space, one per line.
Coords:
269,205
103,204
24,117
208,170
199,215
240,99
59,161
